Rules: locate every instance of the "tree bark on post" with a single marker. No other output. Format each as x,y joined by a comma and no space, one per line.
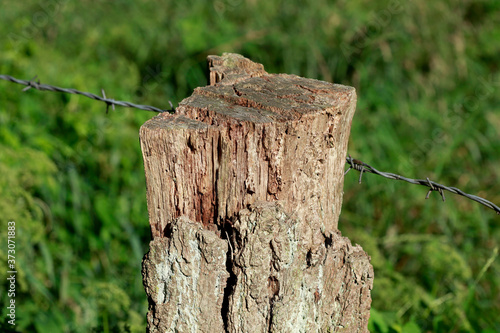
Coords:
244,194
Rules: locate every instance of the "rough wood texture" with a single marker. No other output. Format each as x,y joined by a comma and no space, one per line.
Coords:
257,158
282,286
184,277
232,68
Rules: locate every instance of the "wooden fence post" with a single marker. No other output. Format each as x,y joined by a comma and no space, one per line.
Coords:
244,194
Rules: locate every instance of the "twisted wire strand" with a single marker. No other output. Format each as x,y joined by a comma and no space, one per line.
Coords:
363,167
354,163
40,86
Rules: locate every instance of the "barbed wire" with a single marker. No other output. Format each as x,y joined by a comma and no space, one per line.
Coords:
363,167
35,84
354,163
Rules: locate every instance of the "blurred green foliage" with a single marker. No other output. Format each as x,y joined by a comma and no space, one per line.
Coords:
427,79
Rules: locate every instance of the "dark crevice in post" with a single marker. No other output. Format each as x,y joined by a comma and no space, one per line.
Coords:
328,241
274,286
167,231
216,183
227,233
309,258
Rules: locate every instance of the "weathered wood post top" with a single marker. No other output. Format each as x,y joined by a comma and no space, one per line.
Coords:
244,186
249,136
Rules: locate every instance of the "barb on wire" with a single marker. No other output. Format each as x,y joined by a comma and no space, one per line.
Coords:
363,167
39,86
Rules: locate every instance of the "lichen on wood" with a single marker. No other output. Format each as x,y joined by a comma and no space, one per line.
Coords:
185,275
282,287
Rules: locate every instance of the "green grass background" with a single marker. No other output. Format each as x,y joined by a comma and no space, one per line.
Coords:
428,82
